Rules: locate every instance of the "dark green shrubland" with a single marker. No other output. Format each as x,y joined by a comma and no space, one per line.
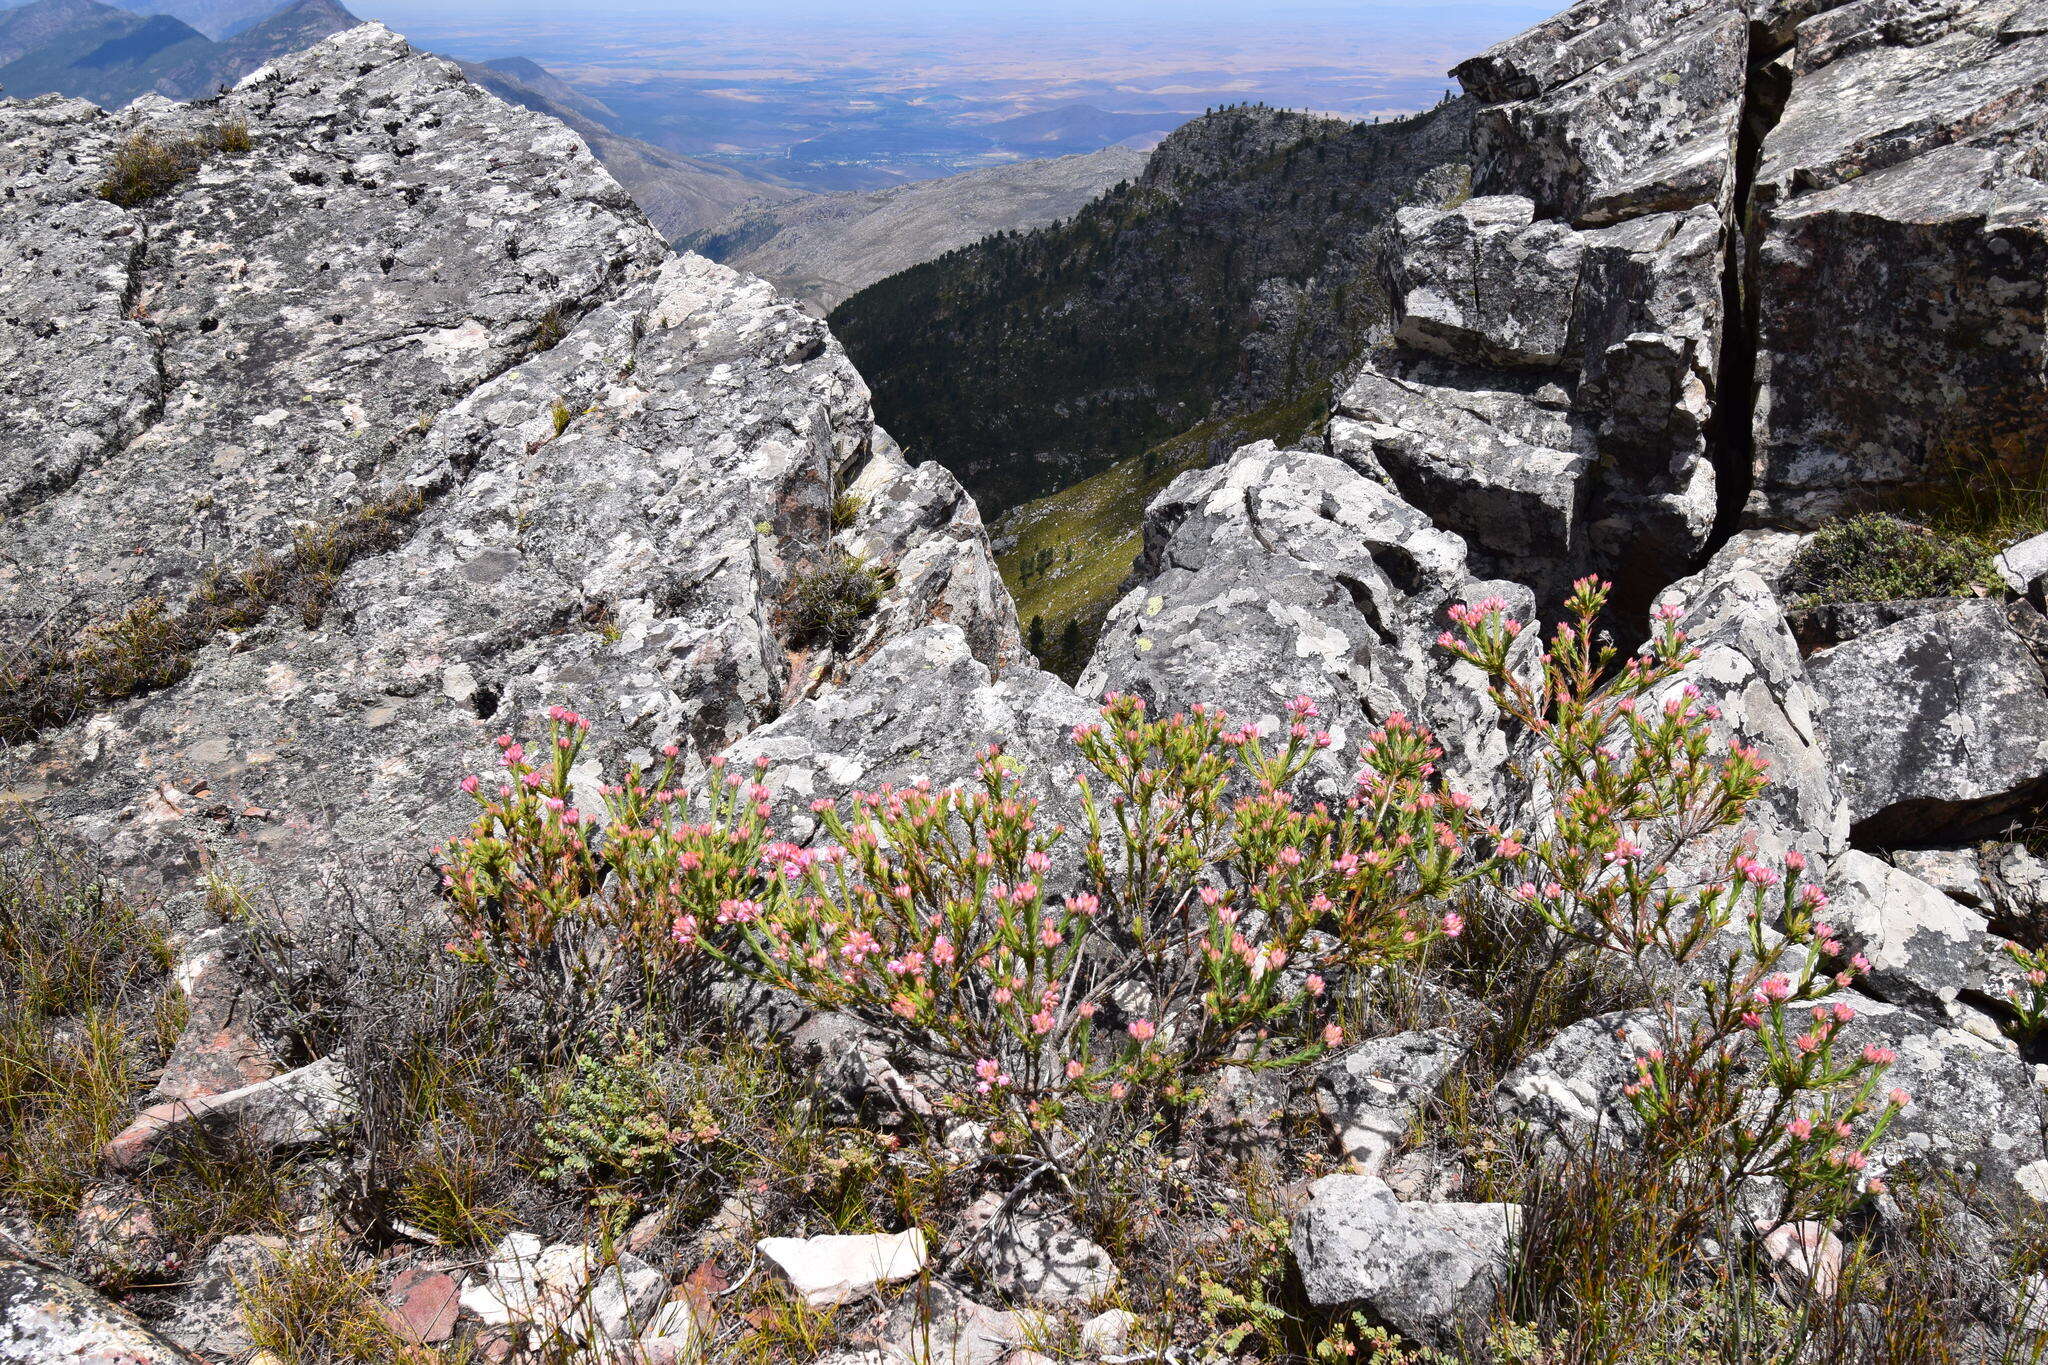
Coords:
1877,557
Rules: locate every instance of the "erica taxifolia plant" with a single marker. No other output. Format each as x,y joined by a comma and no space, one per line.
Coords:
1752,1077
579,910
1206,913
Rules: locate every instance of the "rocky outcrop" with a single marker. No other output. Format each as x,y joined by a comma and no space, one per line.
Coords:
1784,253
193,382
1287,573
1581,298
649,488
1900,228
1613,109
624,469
1976,1112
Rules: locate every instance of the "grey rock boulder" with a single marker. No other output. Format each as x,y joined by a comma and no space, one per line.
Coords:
1750,667
211,1317
1925,949
1613,108
2021,566
47,1316
1936,722
1976,1111
1370,1094
1956,873
1548,393
924,707
1497,459
1484,282
1288,573
1429,1271
632,557
2016,887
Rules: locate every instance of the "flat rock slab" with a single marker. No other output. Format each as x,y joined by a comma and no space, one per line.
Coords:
48,1318
1429,1270
837,1269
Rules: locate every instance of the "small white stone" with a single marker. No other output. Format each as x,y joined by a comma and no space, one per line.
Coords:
835,1269
1109,1333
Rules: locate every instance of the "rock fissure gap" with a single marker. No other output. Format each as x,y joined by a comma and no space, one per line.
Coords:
1732,444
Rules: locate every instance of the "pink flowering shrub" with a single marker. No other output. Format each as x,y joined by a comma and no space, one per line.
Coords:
2028,998
580,913
1209,911
1752,1077
1215,902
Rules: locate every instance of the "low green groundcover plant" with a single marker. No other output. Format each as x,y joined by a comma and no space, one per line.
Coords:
1876,557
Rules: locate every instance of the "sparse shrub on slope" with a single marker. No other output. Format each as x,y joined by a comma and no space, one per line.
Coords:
146,167
826,604
84,1012
69,666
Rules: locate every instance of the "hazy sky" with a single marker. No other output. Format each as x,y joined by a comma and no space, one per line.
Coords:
1454,13
1464,25
909,89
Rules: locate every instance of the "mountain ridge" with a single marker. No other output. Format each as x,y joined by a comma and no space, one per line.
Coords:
828,247
1241,268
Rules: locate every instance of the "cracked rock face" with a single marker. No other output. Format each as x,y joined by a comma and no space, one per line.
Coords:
1549,386
618,522
1903,186
1613,108
188,382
